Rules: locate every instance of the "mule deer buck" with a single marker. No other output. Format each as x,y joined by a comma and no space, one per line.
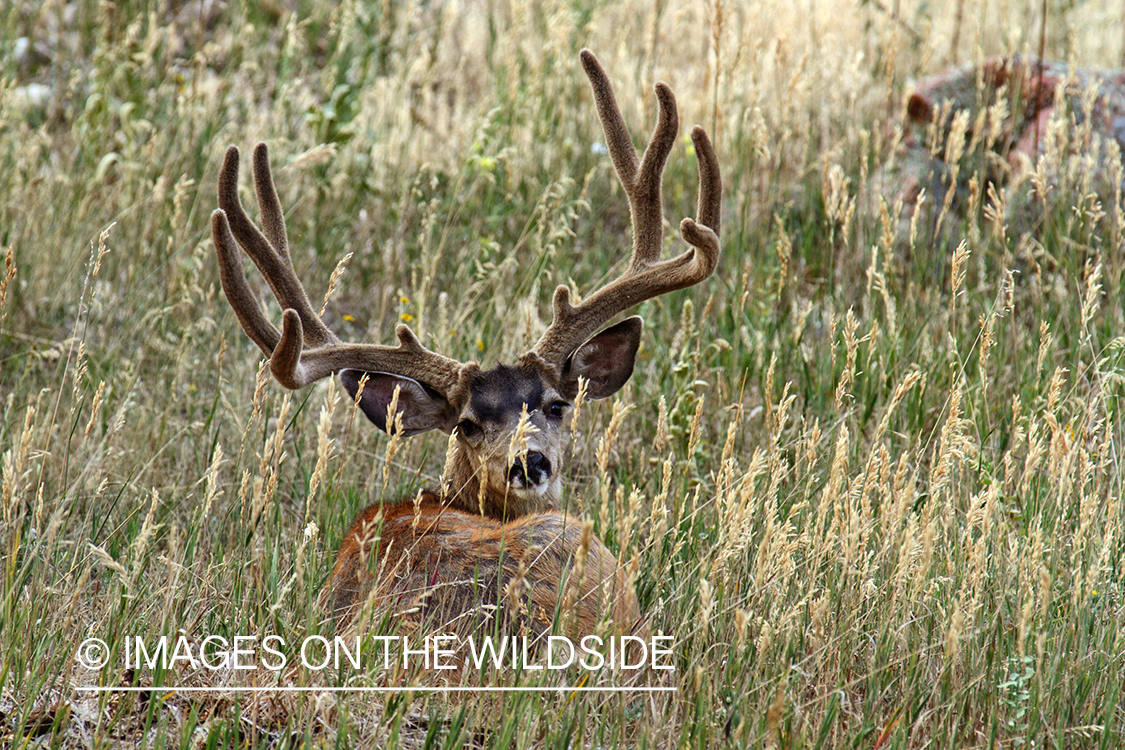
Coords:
487,542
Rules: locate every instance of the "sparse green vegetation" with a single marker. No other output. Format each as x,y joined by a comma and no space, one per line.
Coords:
872,486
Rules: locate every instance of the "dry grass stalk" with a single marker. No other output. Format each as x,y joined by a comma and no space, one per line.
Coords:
325,446
9,274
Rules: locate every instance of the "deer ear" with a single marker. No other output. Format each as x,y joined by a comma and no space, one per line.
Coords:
606,360
421,408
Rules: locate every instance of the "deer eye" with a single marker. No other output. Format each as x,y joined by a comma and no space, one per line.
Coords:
468,429
556,409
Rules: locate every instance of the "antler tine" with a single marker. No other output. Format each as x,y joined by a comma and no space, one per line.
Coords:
643,189
233,278
269,205
709,205
617,139
292,364
270,254
647,276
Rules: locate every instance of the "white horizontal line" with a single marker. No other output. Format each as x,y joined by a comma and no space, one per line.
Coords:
334,689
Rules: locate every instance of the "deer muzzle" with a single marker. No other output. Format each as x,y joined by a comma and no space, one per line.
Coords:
530,470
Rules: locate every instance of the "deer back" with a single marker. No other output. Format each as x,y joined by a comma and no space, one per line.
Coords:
437,569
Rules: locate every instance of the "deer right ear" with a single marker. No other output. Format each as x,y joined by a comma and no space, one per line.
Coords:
606,360
419,407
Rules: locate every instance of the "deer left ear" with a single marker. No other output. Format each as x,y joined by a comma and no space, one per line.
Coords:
606,360
419,408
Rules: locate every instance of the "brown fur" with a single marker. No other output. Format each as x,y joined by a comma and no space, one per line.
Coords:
435,568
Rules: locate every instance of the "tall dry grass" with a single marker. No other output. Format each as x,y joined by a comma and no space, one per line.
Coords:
873,489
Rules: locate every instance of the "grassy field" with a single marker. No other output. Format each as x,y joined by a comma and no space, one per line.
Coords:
870,483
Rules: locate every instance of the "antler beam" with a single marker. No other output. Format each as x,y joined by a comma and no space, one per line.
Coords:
647,276
293,365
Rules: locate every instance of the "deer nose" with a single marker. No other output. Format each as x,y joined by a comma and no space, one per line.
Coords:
530,470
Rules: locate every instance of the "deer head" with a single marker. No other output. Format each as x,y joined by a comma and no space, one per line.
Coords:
486,472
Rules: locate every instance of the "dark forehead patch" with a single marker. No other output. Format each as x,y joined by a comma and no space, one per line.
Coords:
502,391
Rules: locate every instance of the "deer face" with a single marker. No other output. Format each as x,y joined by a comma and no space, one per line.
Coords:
513,432
510,422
